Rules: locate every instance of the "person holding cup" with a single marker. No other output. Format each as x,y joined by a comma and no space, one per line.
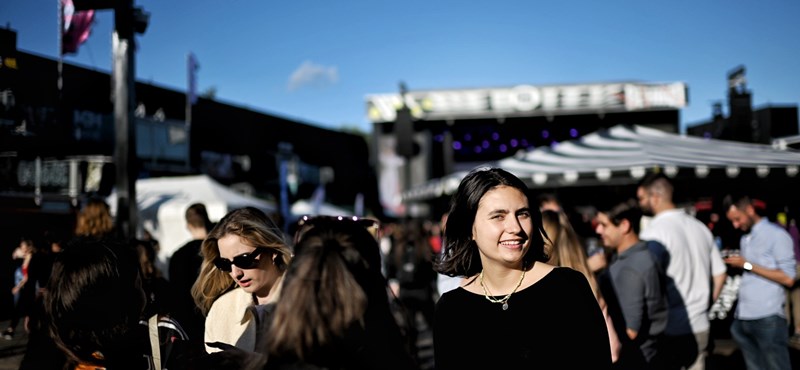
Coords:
767,259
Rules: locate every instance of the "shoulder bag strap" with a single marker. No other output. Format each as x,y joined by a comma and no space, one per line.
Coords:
155,347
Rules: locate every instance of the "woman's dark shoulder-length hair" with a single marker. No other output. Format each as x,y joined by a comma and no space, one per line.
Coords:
333,283
460,257
94,297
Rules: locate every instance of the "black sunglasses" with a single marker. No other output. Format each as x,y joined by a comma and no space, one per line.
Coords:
305,223
243,261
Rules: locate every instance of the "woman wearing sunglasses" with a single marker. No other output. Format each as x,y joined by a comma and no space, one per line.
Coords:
334,311
244,258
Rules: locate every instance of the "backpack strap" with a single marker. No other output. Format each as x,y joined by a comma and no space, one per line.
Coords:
155,347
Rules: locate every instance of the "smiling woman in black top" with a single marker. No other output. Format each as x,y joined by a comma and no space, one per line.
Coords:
512,310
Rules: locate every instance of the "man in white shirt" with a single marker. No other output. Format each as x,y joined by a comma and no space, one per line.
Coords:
695,271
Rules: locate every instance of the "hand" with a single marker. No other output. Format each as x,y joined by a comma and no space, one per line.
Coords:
222,346
735,261
395,287
230,357
597,262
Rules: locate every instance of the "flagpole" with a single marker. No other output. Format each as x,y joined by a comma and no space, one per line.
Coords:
189,101
60,83
189,92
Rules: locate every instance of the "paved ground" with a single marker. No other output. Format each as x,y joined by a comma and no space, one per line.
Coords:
11,351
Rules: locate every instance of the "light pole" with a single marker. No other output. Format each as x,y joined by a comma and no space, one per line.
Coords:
404,137
128,21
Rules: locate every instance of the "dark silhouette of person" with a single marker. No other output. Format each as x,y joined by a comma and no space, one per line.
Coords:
184,268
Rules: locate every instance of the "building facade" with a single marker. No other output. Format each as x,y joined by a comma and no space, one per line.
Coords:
744,122
57,144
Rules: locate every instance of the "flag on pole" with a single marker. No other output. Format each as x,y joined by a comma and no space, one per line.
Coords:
75,27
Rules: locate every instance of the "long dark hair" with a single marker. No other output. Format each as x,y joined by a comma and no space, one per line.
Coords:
333,288
94,299
460,255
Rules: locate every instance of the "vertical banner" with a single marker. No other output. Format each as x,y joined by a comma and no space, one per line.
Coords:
358,208
75,27
283,172
191,99
317,199
191,77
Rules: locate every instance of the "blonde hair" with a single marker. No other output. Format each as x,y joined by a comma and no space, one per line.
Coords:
250,224
94,219
564,247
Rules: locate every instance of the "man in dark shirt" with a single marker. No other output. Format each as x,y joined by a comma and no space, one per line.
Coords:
636,291
184,267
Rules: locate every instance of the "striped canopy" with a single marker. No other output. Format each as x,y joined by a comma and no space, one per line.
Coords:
622,155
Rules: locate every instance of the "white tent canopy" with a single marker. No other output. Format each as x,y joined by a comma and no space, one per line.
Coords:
163,202
304,207
621,155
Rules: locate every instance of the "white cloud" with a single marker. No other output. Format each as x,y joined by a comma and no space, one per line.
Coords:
310,73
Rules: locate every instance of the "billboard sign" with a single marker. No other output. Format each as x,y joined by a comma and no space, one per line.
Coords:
528,100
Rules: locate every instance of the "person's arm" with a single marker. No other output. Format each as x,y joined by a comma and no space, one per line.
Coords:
718,270
17,253
719,282
19,286
391,268
776,275
597,262
589,319
630,288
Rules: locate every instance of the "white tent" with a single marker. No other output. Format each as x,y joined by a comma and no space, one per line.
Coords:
304,207
622,154
163,201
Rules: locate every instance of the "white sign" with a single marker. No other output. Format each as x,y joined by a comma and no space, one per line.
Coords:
528,100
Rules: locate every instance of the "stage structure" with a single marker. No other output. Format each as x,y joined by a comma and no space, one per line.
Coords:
455,130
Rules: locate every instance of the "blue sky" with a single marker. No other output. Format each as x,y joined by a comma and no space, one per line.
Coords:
316,61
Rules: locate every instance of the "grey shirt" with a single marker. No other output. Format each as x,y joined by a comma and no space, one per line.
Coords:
639,284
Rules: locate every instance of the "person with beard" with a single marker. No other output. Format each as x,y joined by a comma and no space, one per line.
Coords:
693,262
767,258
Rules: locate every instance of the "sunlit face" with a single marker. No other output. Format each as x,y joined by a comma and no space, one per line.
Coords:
26,247
550,205
258,280
610,234
645,200
740,219
503,225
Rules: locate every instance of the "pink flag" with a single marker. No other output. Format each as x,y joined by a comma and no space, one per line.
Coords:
76,27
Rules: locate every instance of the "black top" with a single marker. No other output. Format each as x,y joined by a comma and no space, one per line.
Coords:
184,268
555,323
377,345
